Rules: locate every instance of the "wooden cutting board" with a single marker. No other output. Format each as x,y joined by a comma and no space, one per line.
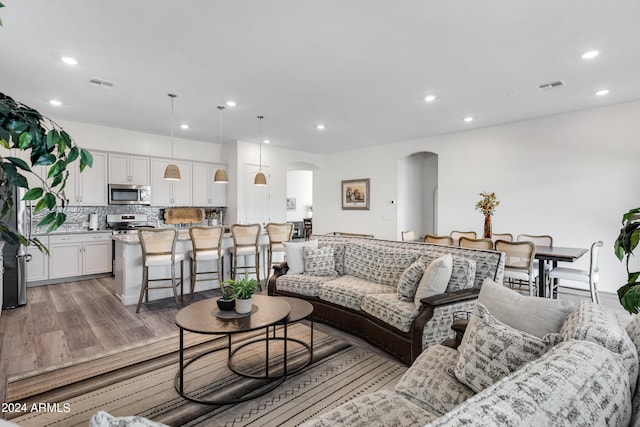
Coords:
183,215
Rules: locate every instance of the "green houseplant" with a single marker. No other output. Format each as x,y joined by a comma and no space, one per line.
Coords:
243,290
226,302
625,244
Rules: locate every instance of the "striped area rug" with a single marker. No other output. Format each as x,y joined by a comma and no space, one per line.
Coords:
140,380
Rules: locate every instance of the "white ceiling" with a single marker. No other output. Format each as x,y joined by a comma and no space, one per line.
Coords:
362,67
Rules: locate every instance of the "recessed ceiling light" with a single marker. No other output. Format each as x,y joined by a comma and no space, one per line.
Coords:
55,102
231,104
602,92
184,126
320,127
468,119
430,98
266,141
590,55
69,60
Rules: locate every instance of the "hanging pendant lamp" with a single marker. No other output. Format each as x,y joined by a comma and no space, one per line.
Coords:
221,176
260,180
172,172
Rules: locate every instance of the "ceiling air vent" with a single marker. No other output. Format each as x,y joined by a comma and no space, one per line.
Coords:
552,85
104,84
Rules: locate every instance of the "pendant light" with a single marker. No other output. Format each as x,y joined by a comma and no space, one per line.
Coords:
172,172
260,180
221,176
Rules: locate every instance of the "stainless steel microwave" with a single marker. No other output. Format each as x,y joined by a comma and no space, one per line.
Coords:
124,194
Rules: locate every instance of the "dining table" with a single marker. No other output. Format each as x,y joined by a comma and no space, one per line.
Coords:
554,254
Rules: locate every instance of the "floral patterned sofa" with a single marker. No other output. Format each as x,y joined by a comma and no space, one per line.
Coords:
356,284
582,372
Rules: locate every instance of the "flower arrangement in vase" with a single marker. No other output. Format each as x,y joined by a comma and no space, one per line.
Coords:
487,205
243,290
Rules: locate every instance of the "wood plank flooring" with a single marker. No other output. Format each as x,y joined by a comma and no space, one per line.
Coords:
72,320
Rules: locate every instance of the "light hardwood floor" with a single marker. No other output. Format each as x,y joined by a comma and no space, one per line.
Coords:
79,319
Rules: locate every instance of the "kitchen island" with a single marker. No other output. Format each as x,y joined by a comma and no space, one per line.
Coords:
127,267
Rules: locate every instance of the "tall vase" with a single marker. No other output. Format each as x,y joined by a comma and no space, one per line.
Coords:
487,226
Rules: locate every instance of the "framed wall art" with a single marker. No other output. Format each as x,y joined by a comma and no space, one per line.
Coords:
355,194
291,203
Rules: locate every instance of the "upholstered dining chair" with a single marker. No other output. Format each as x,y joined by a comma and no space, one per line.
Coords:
278,233
440,240
159,250
206,244
591,276
246,244
408,236
456,235
466,242
519,263
502,236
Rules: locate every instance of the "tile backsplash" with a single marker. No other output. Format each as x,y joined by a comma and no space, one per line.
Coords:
78,216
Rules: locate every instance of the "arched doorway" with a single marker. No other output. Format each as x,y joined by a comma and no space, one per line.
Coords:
418,193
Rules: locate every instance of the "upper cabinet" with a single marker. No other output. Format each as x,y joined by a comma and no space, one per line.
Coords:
124,169
207,192
91,184
170,193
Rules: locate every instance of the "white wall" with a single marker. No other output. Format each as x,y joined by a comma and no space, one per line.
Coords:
571,176
300,187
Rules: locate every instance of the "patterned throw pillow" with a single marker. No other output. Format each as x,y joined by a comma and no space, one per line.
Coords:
409,281
319,262
463,274
435,278
491,350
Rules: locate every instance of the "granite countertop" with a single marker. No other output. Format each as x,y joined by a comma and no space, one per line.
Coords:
62,233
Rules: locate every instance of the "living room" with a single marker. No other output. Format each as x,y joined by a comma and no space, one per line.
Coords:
561,161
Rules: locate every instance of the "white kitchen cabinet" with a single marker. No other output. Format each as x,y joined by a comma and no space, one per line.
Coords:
37,262
205,191
88,188
170,193
79,255
125,169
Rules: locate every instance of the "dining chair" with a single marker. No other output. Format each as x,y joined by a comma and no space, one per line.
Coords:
466,242
308,228
456,235
159,250
440,240
519,263
591,276
206,246
539,240
408,236
278,233
246,243
502,236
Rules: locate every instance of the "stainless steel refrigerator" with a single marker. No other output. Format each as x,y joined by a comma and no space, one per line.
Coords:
15,256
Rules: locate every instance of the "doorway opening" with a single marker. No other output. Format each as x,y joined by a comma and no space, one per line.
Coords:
418,194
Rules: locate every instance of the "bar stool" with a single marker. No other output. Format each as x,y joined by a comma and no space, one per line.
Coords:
159,250
207,246
278,233
245,243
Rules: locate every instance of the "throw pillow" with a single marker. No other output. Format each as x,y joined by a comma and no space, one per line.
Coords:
409,281
491,350
319,262
463,274
537,316
293,253
435,279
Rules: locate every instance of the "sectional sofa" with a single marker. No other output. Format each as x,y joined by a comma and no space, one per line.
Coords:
367,287
523,361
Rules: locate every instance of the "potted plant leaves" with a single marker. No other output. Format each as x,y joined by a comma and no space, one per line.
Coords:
243,290
226,302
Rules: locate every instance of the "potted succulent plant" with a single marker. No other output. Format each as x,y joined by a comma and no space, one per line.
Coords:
226,302
243,290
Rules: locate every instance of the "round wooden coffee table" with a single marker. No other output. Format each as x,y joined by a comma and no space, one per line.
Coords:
204,317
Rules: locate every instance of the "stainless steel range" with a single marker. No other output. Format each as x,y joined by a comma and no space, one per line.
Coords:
127,223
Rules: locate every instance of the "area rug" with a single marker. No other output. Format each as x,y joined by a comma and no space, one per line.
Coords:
140,381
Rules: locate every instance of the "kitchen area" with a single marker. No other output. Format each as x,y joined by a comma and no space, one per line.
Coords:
107,203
